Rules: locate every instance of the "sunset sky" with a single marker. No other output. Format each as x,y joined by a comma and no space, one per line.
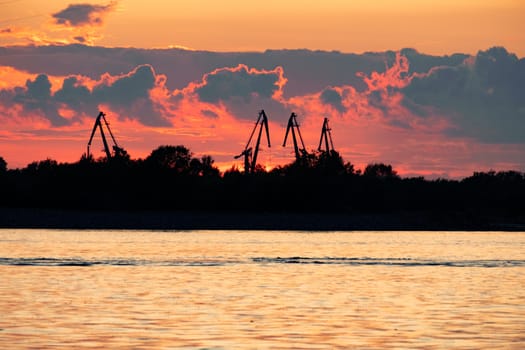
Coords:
198,72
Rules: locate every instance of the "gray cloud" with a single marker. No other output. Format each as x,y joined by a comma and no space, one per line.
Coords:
484,97
73,93
244,90
331,97
239,83
37,97
80,39
126,94
127,88
76,15
307,71
209,113
130,95
275,110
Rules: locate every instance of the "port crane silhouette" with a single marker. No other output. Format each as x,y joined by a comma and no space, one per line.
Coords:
326,135
293,128
117,150
250,155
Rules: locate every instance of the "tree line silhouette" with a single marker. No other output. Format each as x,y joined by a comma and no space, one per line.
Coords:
172,178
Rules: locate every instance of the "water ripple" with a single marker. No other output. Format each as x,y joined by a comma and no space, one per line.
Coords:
390,261
357,261
41,261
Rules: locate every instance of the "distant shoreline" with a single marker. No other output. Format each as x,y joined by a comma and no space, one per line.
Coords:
180,220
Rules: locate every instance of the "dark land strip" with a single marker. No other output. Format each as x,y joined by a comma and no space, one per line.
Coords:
181,220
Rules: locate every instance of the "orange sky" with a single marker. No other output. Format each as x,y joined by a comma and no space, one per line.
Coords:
362,133
431,26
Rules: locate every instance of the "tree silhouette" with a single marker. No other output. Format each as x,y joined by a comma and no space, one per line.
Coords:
176,158
203,167
329,162
47,167
120,155
3,165
380,171
170,178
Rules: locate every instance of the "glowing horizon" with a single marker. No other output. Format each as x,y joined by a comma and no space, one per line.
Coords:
439,116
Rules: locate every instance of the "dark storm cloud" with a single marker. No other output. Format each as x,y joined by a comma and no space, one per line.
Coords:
484,97
76,15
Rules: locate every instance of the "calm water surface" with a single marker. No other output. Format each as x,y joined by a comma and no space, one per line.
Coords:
261,290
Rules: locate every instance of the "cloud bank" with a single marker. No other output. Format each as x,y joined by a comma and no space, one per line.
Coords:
483,98
130,96
431,115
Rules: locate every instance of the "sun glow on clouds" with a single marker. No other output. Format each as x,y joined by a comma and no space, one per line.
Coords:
448,119
384,122
42,23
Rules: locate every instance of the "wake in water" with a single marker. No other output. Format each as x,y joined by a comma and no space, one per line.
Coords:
391,262
108,262
364,261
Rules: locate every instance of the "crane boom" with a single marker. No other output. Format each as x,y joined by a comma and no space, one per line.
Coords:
292,126
109,129
250,159
98,124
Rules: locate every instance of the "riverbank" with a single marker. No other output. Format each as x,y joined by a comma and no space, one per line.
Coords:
179,220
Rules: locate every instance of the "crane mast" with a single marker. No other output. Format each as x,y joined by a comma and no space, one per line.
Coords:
250,158
98,124
291,128
326,135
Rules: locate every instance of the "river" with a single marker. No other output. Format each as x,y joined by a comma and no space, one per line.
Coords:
88,289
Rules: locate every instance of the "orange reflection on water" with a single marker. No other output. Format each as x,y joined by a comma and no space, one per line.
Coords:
229,290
